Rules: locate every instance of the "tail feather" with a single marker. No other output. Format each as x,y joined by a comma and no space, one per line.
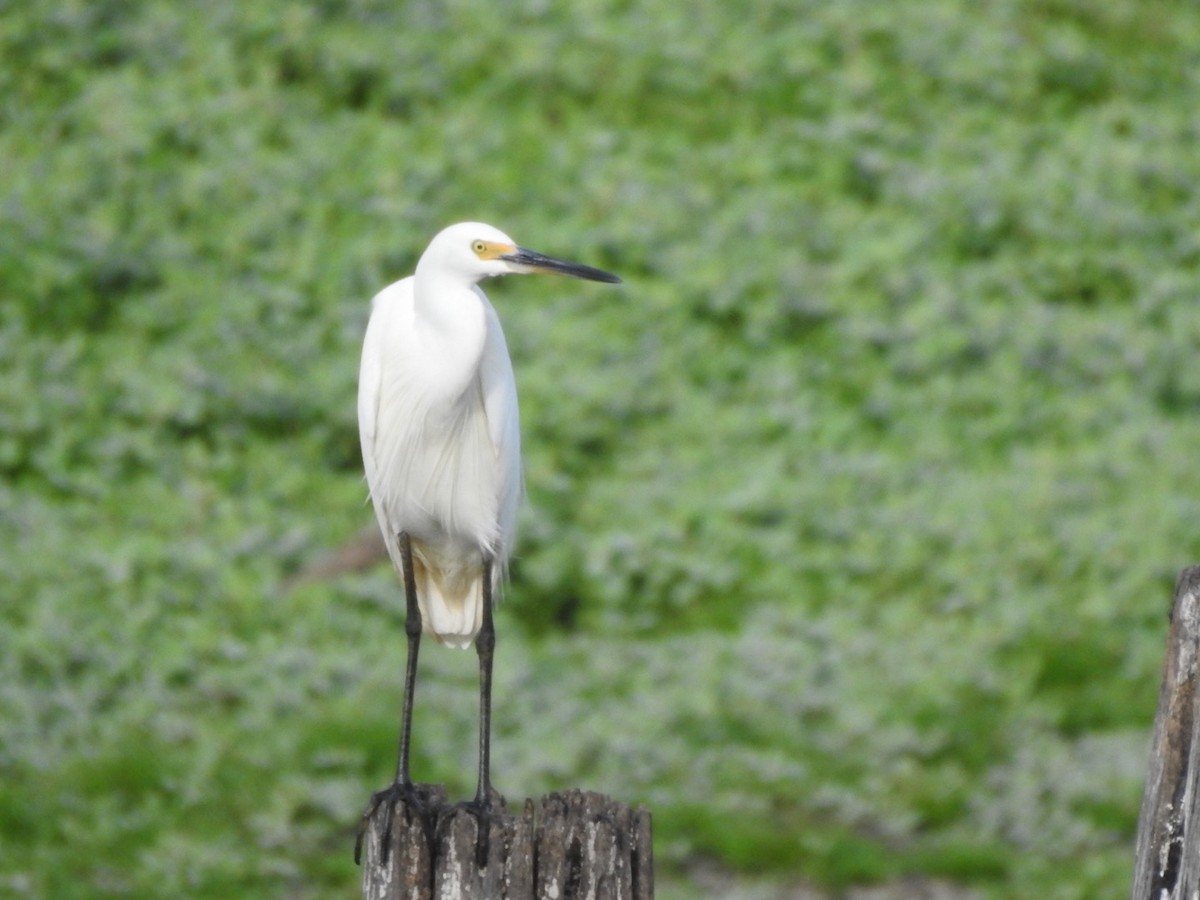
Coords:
450,597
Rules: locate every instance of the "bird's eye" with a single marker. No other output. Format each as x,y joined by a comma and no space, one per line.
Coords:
479,247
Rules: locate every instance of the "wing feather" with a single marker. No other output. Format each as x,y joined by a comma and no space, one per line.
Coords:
372,374
499,392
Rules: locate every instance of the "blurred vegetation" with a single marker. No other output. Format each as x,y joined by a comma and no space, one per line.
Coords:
853,516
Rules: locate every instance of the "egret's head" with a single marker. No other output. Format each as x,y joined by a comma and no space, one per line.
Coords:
474,251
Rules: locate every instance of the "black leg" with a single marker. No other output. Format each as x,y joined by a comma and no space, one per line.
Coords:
402,787
481,808
485,646
412,628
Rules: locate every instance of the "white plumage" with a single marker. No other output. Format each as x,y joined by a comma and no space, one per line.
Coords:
439,425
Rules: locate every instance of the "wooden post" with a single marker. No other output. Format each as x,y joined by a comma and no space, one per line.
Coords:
569,846
1167,865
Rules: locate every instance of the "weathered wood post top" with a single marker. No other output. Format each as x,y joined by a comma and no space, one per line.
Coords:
568,845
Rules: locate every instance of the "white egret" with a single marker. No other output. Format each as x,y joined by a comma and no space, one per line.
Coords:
441,445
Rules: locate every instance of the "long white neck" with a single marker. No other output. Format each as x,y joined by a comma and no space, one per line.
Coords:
450,327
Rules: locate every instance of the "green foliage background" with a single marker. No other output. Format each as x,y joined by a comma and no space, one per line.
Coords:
853,515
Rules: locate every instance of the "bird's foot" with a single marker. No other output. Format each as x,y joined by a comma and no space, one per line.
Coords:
417,798
484,809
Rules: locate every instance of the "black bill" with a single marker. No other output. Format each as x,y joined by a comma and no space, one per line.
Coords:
533,260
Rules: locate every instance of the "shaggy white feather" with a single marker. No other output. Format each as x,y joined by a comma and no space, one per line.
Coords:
438,422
